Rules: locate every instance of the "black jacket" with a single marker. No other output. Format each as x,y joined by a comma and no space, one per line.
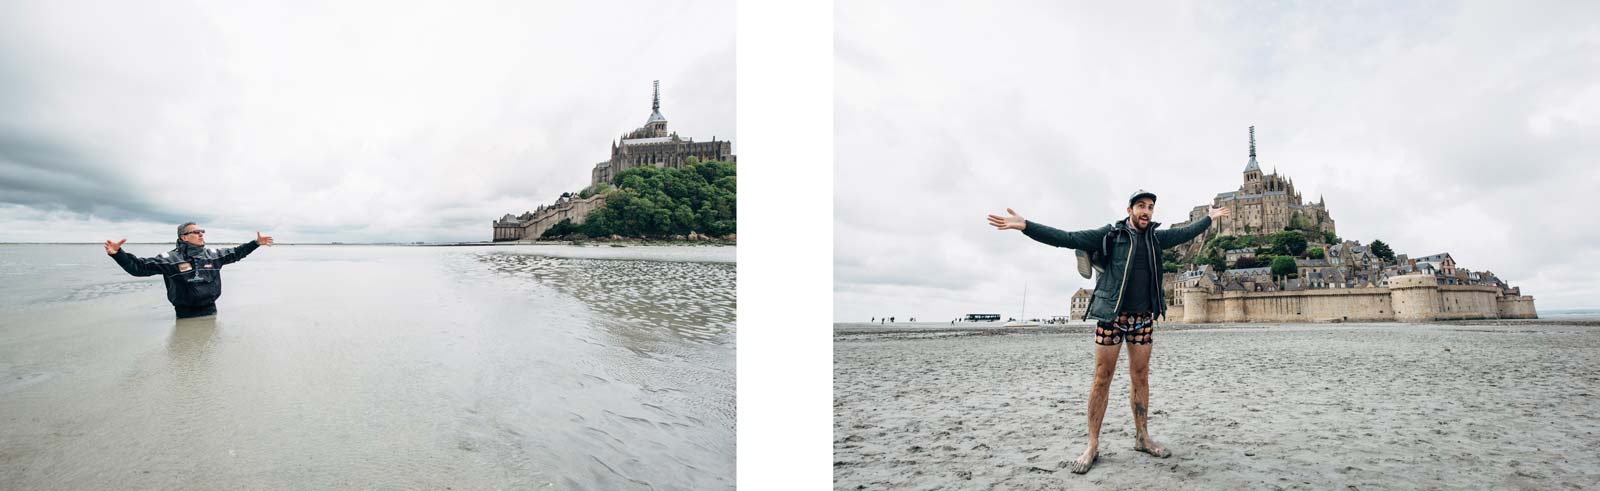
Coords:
193,274
1111,244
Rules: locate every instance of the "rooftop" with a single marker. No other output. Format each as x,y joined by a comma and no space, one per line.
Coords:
646,141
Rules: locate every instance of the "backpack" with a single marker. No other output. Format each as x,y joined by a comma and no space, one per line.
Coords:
1091,261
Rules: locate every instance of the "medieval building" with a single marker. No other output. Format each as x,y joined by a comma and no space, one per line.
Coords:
1264,203
651,144
1347,282
532,224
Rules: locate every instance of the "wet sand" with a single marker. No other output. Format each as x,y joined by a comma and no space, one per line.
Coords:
373,368
1503,405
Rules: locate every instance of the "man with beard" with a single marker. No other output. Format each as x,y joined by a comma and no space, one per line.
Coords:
1127,300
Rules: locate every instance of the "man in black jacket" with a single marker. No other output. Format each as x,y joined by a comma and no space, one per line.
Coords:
193,273
1127,300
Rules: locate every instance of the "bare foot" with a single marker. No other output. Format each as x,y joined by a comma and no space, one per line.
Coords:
1086,461
1148,445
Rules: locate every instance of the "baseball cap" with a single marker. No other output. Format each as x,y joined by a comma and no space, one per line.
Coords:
1141,194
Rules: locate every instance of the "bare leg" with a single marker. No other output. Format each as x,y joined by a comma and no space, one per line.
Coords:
1139,399
1105,365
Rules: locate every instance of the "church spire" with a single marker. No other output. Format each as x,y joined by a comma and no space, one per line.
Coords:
1252,165
1252,143
655,107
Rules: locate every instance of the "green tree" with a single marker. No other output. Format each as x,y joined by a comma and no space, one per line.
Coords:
1288,243
1329,238
1246,262
560,229
1169,267
1315,253
658,202
593,189
1382,250
1283,266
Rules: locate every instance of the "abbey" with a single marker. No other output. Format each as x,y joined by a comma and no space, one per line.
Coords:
650,144
1227,274
1265,203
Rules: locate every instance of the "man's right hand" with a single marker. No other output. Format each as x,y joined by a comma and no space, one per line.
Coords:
113,247
1013,222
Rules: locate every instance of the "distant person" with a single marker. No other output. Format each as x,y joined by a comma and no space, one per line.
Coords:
1127,300
192,272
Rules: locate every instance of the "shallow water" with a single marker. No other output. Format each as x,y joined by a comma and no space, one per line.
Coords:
372,367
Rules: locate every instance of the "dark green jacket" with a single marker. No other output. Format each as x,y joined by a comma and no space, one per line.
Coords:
1112,241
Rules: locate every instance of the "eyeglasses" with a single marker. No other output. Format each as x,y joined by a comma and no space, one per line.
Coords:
200,231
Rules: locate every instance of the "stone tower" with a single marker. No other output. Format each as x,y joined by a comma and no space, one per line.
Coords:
1415,297
1194,305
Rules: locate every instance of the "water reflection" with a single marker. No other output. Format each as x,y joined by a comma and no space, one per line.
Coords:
387,367
190,341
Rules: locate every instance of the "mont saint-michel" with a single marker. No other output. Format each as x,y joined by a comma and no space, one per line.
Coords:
655,184
1280,259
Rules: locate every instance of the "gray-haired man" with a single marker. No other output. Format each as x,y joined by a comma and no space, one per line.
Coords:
193,273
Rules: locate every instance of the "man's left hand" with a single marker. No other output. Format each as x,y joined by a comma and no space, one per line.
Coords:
265,240
1218,212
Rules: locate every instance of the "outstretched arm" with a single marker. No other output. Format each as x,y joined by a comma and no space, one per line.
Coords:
134,265
234,254
1173,237
1082,239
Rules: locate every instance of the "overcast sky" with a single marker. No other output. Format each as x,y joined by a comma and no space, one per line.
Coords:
356,121
1437,127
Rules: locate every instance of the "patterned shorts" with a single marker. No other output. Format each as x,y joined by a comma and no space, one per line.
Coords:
1135,328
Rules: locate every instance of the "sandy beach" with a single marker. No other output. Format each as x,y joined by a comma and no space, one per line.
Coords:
1473,405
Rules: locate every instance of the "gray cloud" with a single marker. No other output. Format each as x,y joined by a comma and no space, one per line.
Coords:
38,173
356,122
1433,127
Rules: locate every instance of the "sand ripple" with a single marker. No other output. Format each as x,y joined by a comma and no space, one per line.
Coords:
1304,407
694,300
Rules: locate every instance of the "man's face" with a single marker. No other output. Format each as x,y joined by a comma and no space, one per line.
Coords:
193,234
1141,211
